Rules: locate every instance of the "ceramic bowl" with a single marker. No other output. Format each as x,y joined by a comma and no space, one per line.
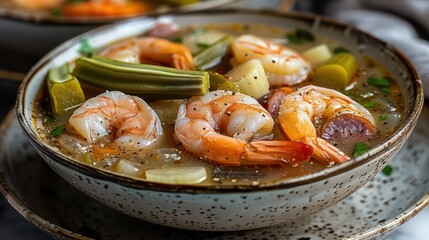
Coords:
219,208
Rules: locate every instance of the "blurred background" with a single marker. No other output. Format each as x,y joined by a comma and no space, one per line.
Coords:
24,40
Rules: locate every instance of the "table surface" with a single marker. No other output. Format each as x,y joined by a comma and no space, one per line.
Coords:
14,226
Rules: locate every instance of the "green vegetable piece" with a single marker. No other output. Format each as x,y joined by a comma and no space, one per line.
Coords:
85,47
360,148
50,118
369,104
337,72
300,36
203,45
178,40
294,39
385,90
339,50
86,158
383,117
387,170
212,54
379,82
57,131
148,80
220,82
64,90
305,35
251,78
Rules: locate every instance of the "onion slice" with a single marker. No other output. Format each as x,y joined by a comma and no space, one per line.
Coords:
177,175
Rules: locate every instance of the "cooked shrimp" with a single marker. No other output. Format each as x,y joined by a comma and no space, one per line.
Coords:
151,50
283,65
38,4
129,120
105,8
301,110
219,125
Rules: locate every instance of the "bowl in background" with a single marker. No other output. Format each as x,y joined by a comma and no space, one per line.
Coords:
219,208
32,33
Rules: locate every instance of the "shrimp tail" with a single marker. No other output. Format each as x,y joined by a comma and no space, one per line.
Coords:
276,152
325,152
183,62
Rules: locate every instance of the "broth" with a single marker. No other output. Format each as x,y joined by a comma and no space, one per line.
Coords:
386,106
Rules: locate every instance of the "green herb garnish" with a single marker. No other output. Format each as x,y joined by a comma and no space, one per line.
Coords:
339,50
379,82
85,48
50,118
387,170
294,39
300,36
385,90
305,35
177,40
369,104
360,148
383,117
57,131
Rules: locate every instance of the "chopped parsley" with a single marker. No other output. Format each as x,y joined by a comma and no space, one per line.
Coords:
360,148
50,118
369,104
85,47
387,170
57,131
383,117
382,83
177,40
300,36
385,90
339,50
379,82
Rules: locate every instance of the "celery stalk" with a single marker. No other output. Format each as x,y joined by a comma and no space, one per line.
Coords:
64,90
213,54
337,72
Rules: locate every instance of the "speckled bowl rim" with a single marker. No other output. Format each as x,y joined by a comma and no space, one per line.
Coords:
47,18
56,230
403,132
395,222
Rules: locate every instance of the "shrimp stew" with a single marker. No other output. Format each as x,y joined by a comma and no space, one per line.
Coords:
218,104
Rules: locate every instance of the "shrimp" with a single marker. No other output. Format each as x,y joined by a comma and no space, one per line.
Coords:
301,110
151,50
38,4
129,120
105,8
219,125
283,65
